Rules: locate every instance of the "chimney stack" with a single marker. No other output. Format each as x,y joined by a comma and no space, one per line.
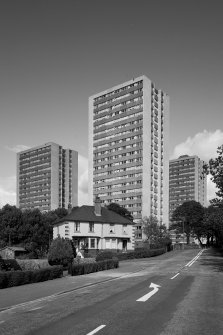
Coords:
97,206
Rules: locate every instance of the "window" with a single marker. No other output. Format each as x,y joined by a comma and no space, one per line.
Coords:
124,228
107,243
91,227
112,228
76,226
92,243
113,243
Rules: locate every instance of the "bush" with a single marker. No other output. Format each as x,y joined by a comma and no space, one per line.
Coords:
9,265
60,252
102,255
138,253
16,278
84,268
33,264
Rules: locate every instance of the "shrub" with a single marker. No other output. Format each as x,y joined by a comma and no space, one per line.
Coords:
33,264
16,278
84,268
9,265
83,260
102,255
60,252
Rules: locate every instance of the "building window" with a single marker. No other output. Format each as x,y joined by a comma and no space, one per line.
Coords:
91,227
76,226
107,243
113,243
112,228
92,243
124,228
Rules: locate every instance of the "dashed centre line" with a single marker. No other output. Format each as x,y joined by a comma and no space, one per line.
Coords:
96,330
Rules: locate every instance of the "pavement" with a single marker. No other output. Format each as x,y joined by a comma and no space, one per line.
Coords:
21,294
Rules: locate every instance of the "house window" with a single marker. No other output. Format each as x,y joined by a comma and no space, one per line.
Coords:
92,243
107,243
112,228
124,228
76,226
91,227
113,243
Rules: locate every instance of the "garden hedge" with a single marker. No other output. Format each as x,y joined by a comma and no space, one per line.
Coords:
138,253
16,278
84,268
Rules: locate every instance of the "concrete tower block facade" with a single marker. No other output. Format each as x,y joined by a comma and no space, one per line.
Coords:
128,148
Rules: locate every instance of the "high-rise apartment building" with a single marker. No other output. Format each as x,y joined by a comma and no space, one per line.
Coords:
187,181
128,148
47,177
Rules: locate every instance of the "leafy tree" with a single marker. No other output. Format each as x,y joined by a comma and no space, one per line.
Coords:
120,210
156,234
60,251
10,220
188,218
214,223
215,168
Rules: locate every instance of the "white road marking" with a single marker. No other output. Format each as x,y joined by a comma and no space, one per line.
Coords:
194,259
34,309
175,276
150,294
1,322
96,330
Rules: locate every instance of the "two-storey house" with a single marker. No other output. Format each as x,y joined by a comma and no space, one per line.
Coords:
96,228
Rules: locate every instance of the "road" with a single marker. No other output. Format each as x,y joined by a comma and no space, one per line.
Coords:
177,293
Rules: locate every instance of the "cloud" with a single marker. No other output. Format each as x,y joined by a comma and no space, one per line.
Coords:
7,191
18,148
204,145
82,180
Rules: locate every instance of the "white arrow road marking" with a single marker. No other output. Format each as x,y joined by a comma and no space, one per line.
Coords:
96,330
150,294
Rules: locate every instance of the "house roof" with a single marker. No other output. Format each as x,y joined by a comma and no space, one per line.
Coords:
14,248
87,214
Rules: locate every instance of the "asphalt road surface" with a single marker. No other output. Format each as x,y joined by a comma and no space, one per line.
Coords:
176,293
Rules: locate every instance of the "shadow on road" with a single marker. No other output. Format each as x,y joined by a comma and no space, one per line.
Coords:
213,258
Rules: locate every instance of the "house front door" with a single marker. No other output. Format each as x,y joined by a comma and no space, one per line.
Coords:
124,245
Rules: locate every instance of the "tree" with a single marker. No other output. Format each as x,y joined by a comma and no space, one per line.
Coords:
120,210
10,221
60,252
188,218
215,168
156,234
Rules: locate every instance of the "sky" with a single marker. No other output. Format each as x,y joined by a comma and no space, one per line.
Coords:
55,54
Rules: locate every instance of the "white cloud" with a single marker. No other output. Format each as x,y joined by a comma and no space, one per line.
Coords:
7,191
17,148
204,145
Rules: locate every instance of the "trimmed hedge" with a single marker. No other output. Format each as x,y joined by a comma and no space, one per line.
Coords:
138,253
83,260
33,264
16,278
9,265
84,268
